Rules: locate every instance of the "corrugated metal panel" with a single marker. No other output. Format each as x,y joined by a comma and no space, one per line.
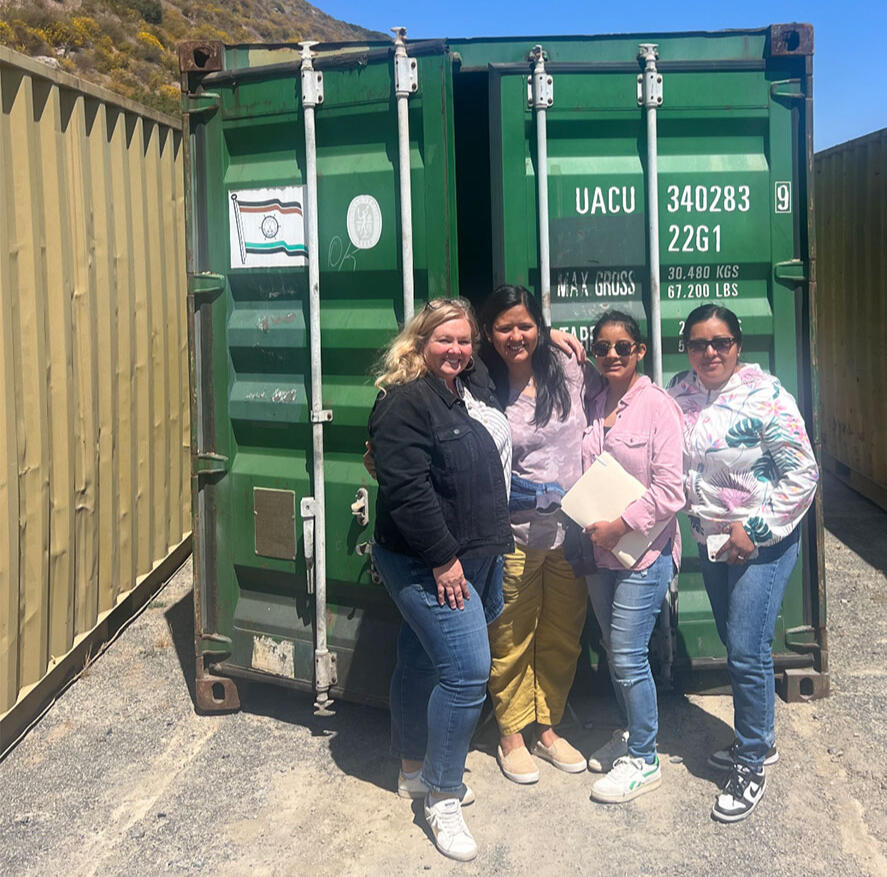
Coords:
851,232
94,432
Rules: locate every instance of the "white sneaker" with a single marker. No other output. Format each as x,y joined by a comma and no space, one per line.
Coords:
629,778
601,760
741,794
413,787
451,834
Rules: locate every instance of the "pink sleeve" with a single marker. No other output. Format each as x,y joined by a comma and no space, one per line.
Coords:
665,496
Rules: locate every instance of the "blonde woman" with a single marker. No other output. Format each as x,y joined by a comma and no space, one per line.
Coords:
442,453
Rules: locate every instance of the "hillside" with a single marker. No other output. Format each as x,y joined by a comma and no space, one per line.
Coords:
129,46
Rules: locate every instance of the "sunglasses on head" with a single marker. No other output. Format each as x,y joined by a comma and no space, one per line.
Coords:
720,345
434,303
623,348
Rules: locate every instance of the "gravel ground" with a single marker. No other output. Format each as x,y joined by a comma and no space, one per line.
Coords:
122,776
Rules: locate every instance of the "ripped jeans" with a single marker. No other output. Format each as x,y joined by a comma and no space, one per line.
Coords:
626,603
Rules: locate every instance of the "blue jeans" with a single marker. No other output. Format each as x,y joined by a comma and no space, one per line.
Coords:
626,603
745,601
443,663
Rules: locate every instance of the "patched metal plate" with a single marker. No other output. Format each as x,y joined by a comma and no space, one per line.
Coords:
274,656
275,522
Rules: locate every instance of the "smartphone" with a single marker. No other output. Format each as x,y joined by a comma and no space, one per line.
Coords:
713,544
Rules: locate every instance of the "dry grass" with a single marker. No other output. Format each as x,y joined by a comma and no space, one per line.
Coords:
129,46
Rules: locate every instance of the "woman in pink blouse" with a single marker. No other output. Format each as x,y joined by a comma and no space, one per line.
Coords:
639,425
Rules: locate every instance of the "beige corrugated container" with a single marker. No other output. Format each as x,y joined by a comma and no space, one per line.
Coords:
851,241
94,432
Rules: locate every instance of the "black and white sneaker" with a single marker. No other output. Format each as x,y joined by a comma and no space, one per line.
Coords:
724,759
740,795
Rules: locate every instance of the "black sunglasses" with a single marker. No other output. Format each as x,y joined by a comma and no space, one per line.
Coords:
623,348
720,345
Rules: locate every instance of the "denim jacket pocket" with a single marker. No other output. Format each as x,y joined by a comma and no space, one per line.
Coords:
457,448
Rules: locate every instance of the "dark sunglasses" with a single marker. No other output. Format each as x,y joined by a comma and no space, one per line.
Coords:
720,345
623,348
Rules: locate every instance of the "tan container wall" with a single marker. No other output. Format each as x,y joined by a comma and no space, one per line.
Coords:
94,432
851,240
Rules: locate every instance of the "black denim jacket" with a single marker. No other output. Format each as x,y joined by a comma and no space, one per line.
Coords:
441,489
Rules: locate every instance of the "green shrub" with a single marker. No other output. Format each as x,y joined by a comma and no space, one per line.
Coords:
150,10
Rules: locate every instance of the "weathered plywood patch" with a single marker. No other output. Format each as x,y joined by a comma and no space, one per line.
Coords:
271,656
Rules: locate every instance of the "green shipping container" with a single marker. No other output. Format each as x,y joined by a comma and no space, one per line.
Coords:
299,273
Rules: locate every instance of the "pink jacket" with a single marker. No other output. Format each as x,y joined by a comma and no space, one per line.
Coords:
646,440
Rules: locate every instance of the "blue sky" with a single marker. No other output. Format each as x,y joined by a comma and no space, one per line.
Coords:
848,37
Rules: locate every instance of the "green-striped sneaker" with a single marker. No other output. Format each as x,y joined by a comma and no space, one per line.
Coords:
629,778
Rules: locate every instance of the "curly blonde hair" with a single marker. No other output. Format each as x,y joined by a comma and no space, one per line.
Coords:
403,360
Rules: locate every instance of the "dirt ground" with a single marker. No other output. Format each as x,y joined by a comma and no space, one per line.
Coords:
123,777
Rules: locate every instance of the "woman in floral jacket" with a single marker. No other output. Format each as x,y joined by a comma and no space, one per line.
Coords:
750,476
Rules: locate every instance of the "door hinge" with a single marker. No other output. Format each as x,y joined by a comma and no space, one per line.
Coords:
208,463
787,89
201,104
792,272
215,644
206,285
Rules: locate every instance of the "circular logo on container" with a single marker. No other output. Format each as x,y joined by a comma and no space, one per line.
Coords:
364,222
270,227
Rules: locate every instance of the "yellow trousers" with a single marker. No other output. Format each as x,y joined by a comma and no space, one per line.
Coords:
535,641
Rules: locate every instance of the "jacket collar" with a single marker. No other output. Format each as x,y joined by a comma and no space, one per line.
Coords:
638,386
439,386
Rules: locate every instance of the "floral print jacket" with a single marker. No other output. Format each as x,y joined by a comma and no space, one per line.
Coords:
746,456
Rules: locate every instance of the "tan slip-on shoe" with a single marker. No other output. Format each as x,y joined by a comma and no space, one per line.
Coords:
561,754
517,765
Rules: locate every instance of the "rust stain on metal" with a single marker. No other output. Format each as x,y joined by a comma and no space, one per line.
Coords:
200,56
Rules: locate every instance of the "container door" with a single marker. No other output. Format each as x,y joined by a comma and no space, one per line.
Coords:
249,280
732,223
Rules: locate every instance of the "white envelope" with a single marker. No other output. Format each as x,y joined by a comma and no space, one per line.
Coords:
603,493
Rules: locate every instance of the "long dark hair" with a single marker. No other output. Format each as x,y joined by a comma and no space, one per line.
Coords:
548,373
716,312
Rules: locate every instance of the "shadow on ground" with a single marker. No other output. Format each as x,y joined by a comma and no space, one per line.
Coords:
358,735
855,521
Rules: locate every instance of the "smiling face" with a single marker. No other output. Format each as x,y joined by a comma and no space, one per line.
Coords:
612,366
514,336
448,351
714,368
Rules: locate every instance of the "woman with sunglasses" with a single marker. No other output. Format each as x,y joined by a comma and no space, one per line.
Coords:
535,641
750,477
637,423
